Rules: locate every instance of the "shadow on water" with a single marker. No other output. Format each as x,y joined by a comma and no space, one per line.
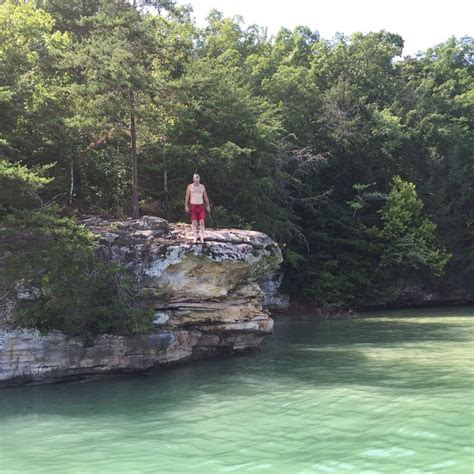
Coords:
379,355
379,331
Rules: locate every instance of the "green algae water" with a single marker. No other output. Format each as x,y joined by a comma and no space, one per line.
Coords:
387,392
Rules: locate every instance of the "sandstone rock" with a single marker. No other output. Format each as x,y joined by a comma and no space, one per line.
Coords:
160,318
109,237
272,296
207,300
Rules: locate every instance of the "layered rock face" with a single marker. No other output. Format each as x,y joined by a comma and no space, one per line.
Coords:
207,301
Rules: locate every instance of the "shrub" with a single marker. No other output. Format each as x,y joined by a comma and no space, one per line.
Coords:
80,294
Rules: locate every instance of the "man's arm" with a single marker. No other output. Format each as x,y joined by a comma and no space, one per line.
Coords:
206,199
186,199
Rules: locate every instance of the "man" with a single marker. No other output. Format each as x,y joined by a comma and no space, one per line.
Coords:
196,197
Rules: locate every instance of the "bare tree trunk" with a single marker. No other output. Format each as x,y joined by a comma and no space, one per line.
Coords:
165,186
71,187
133,155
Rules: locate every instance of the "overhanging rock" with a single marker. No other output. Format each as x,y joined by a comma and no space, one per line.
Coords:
207,301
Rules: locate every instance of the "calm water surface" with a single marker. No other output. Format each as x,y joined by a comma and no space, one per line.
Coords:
390,392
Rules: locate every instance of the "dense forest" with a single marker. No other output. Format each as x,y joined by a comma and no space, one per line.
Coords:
359,162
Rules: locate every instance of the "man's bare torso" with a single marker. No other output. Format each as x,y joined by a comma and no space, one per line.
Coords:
197,193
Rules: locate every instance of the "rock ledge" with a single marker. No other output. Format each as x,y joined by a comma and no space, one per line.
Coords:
207,300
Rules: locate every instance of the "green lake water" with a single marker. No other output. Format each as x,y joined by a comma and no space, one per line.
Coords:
388,392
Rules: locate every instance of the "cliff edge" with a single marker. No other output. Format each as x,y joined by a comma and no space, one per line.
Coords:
206,298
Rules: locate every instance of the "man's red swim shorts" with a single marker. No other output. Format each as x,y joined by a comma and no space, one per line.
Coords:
197,212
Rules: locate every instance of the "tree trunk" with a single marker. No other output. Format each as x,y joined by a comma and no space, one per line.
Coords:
133,155
74,178
165,186
71,183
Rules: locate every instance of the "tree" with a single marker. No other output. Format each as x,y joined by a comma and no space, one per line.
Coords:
311,130
32,104
20,187
407,235
116,78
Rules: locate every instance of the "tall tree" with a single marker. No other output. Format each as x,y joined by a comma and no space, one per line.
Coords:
115,78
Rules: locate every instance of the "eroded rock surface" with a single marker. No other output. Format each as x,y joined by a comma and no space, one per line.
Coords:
207,301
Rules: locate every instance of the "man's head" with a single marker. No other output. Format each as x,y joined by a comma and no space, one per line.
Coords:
196,178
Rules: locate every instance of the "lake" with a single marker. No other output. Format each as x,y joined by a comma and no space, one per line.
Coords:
385,392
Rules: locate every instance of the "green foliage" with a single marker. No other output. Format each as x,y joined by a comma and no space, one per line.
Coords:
19,186
357,261
408,236
296,135
78,292
33,101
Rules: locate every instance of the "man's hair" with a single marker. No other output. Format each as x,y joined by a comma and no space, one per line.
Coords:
195,175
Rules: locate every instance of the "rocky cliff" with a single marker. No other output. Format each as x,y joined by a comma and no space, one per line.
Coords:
207,301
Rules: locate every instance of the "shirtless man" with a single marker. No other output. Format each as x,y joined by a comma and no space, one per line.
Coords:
194,201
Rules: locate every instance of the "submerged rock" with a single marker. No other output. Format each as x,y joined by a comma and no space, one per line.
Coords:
207,299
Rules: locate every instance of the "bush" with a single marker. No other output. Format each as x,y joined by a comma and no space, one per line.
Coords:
79,293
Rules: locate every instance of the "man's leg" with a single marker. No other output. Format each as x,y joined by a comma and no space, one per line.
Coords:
201,229
195,232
